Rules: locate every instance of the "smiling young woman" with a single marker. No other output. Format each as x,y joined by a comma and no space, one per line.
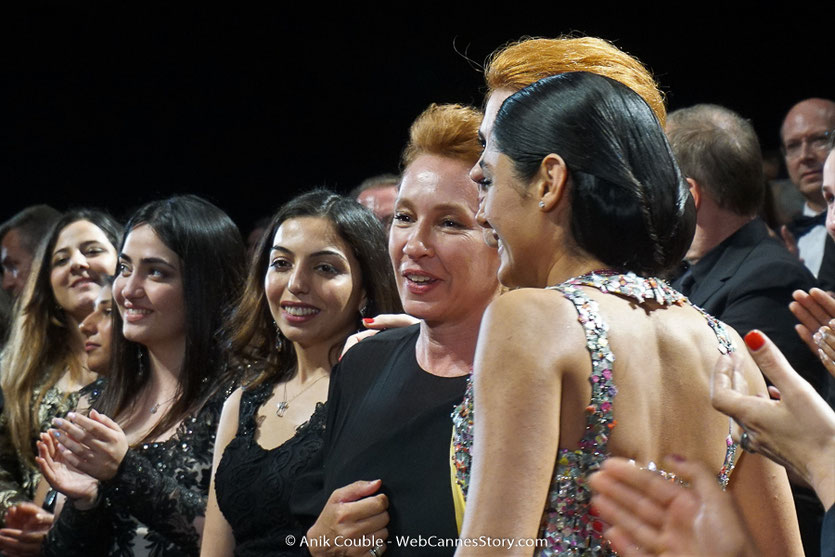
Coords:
44,371
43,362
136,470
320,264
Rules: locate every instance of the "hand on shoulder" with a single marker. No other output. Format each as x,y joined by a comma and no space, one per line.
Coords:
377,324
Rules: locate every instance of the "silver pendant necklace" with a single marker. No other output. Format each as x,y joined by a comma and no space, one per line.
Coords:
284,404
156,406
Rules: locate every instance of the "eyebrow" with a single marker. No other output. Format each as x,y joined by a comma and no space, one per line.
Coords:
443,208
147,260
314,254
83,245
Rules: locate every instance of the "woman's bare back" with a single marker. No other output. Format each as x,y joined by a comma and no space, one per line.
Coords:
663,359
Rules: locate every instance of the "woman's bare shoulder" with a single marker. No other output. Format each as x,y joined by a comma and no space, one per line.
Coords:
532,321
525,303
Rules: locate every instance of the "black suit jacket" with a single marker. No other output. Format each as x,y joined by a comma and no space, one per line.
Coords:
747,281
826,274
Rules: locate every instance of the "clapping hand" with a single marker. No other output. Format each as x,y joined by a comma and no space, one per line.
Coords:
825,341
26,527
814,309
650,515
77,486
796,430
94,445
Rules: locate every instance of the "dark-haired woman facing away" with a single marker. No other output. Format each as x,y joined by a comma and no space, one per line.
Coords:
321,265
136,470
583,196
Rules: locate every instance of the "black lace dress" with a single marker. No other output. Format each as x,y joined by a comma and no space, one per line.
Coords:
253,484
150,507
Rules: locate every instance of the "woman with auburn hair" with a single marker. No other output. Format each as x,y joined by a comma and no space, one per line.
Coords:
136,469
582,194
391,395
43,363
321,265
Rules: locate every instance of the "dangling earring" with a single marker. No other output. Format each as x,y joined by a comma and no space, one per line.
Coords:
363,310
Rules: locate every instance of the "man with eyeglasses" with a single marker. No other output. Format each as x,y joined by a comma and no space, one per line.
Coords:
805,135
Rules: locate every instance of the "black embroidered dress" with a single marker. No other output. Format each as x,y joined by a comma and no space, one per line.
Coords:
253,484
150,507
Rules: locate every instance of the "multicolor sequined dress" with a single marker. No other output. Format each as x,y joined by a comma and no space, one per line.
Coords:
567,525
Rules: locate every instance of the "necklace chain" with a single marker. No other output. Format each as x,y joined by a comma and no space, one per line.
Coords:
282,406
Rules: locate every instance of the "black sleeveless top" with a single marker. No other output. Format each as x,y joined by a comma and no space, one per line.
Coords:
253,485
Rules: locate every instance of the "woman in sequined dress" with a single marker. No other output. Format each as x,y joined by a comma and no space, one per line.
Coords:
44,367
320,266
136,469
582,196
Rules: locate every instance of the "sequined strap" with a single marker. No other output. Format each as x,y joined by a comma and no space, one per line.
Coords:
732,448
632,286
642,289
599,418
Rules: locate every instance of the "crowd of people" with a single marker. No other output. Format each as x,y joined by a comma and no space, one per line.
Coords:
567,327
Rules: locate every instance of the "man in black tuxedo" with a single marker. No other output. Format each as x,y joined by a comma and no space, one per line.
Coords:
804,138
739,272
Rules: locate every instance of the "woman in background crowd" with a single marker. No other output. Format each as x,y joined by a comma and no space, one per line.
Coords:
43,363
27,523
97,329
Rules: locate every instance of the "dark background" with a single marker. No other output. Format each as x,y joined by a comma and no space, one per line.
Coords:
112,107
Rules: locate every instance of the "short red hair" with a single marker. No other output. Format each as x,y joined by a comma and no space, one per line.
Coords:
446,130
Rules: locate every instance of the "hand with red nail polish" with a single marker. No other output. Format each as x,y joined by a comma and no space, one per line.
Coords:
754,340
377,324
796,428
